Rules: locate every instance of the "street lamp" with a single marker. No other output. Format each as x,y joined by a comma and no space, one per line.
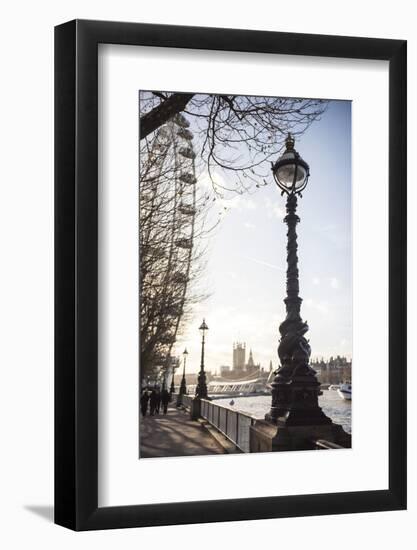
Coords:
183,386
201,389
172,388
291,172
295,388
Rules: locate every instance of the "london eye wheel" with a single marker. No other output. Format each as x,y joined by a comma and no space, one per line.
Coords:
168,210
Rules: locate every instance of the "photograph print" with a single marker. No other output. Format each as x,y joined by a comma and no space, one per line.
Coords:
245,274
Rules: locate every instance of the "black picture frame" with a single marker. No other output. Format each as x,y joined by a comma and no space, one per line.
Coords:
76,272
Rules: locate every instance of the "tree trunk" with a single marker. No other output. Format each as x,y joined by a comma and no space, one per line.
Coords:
163,112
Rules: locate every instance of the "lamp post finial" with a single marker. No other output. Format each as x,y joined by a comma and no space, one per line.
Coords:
289,142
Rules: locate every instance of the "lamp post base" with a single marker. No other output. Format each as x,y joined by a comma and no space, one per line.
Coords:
195,408
268,437
301,418
296,421
296,401
183,391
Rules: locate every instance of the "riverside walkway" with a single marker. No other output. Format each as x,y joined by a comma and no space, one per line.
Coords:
174,434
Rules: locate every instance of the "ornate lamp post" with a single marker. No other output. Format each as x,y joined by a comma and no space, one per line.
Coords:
183,386
172,388
201,389
295,389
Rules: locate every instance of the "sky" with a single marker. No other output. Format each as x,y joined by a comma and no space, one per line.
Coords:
246,259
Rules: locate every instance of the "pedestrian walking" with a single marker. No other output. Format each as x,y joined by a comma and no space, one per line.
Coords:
152,402
158,401
144,402
165,399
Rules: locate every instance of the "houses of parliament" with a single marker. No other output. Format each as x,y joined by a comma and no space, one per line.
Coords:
241,368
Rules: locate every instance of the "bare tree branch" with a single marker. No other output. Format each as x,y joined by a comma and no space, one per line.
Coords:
160,114
236,136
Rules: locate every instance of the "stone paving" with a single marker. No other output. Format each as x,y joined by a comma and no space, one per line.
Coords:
174,434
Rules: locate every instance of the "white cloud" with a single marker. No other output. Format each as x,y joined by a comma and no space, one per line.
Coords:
249,225
334,283
316,281
274,209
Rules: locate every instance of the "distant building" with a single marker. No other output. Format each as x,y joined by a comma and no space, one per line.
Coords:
244,378
241,369
239,357
250,367
334,371
224,370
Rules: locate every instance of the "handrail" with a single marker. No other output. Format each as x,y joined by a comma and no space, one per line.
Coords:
234,425
241,413
324,444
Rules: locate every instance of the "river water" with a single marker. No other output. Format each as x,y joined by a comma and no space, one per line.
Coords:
332,404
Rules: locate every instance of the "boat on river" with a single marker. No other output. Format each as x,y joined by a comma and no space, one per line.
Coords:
345,391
